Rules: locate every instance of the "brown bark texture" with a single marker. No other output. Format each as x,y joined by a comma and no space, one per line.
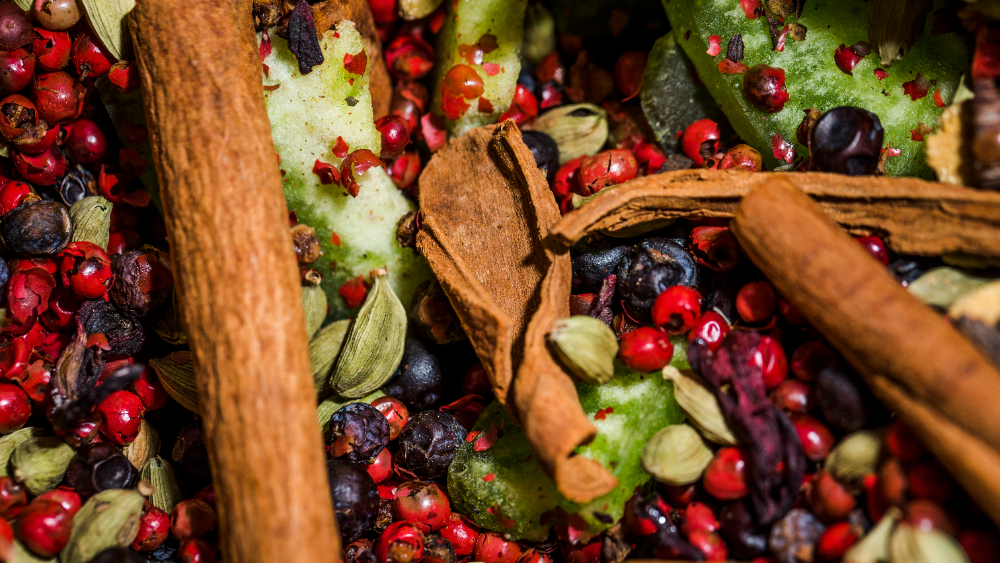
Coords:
236,275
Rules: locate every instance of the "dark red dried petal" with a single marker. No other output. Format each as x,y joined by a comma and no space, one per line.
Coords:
302,38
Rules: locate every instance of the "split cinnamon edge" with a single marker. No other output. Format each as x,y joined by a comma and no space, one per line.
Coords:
236,274
913,216
909,354
485,209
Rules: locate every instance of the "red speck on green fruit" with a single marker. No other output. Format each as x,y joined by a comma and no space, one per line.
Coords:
782,149
356,63
354,166
339,148
714,45
727,66
751,8
938,100
326,172
846,59
764,88
460,84
353,292
881,74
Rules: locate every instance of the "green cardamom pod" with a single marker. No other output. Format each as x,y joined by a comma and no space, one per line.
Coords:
578,129
145,445
41,462
92,220
374,344
108,519
323,351
855,456
314,305
166,491
910,544
700,405
676,455
10,441
326,408
874,547
167,322
20,554
176,373
586,347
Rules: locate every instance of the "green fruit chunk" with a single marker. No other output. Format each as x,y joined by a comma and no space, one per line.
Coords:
309,113
503,487
813,79
485,36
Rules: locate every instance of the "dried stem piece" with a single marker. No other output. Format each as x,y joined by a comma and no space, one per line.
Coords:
486,208
914,216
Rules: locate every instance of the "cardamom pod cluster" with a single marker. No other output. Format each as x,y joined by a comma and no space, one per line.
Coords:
108,519
586,347
166,491
855,456
92,220
374,344
578,129
676,455
323,351
701,406
40,463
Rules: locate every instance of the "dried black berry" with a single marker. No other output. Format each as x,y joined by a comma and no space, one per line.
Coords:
123,331
545,150
37,228
843,398
118,555
355,498
417,381
429,442
439,548
357,432
360,551
795,534
166,553
647,269
190,455
738,528
526,77
847,140
143,280
907,270
98,467
594,262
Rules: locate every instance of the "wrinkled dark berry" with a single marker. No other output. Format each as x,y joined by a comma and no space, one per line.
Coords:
98,467
355,498
764,88
166,553
847,140
123,331
594,262
37,228
357,432
439,549
794,535
118,555
647,269
143,279
360,551
190,455
843,399
417,381
429,442
526,77
545,150
738,528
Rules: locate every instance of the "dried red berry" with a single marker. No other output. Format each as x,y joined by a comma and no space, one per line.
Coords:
793,396
401,542
42,169
645,350
395,135
523,107
44,528
492,548
15,29
13,498
829,499
409,57
383,11
741,157
409,101
353,292
811,358
650,157
835,542
676,309
51,49
699,516
769,357
88,57
928,480
875,247
354,166
395,412
710,544
16,69
714,247
192,518
58,96
756,302
16,113
764,88
892,484
710,328
460,84
380,468
12,193
86,143
15,408
197,550
462,534
700,140
628,71
724,477
404,169
149,390
28,294
86,269
121,416
903,443
605,169
639,524
815,436
980,545
927,515
154,528
57,14
423,504
66,496
125,75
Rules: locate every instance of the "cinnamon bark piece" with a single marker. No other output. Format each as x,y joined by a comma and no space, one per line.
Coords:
913,216
878,326
236,275
485,209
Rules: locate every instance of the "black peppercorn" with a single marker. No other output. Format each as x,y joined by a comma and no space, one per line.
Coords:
847,140
37,228
417,381
355,498
594,262
357,432
191,455
97,467
545,150
647,269
428,443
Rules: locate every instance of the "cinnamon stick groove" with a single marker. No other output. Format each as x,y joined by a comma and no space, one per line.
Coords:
236,274
913,216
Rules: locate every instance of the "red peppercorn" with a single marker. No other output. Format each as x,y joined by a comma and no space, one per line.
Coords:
122,241
793,396
354,166
37,139
423,504
476,382
928,480
14,359
676,309
875,247
741,157
395,135
86,269
492,548
58,96
756,302
770,358
462,534
710,328
395,412
892,484
149,390
41,169
846,59
16,69
16,113
86,143
699,516
523,107
380,468
196,550
714,247
650,157
12,193
903,443
460,84
811,358
154,528
409,101
927,515
88,57
6,541
628,71
67,497
409,57
13,498
404,170
121,416
829,499
710,544
15,28
44,528
583,552
566,181
835,542
207,495
383,11
764,88
980,545
700,140
401,542
15,408
724,477
191,518
51,50
815,436
605,169
645,349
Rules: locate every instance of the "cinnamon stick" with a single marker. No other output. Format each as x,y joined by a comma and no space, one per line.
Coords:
879,327
913,216
236,274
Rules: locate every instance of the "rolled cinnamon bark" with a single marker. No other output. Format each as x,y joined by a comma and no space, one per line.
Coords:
237,278
878,326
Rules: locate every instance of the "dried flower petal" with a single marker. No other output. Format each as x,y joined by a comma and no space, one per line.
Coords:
302,38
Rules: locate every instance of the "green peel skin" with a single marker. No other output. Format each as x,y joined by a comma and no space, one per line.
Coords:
813,79
503,488
308,113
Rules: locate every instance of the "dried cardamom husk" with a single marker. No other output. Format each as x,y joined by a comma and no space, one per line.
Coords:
107,19
168,324
40,463
910,544
314,305
176,373
701,406
108,519
855,456
26,5
895,25
166,491
326,408
374,344
676,455
586,347
416,9
578,129
942,286
981,304
92,220
874,547
10,441
20,554
323,351
145,445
